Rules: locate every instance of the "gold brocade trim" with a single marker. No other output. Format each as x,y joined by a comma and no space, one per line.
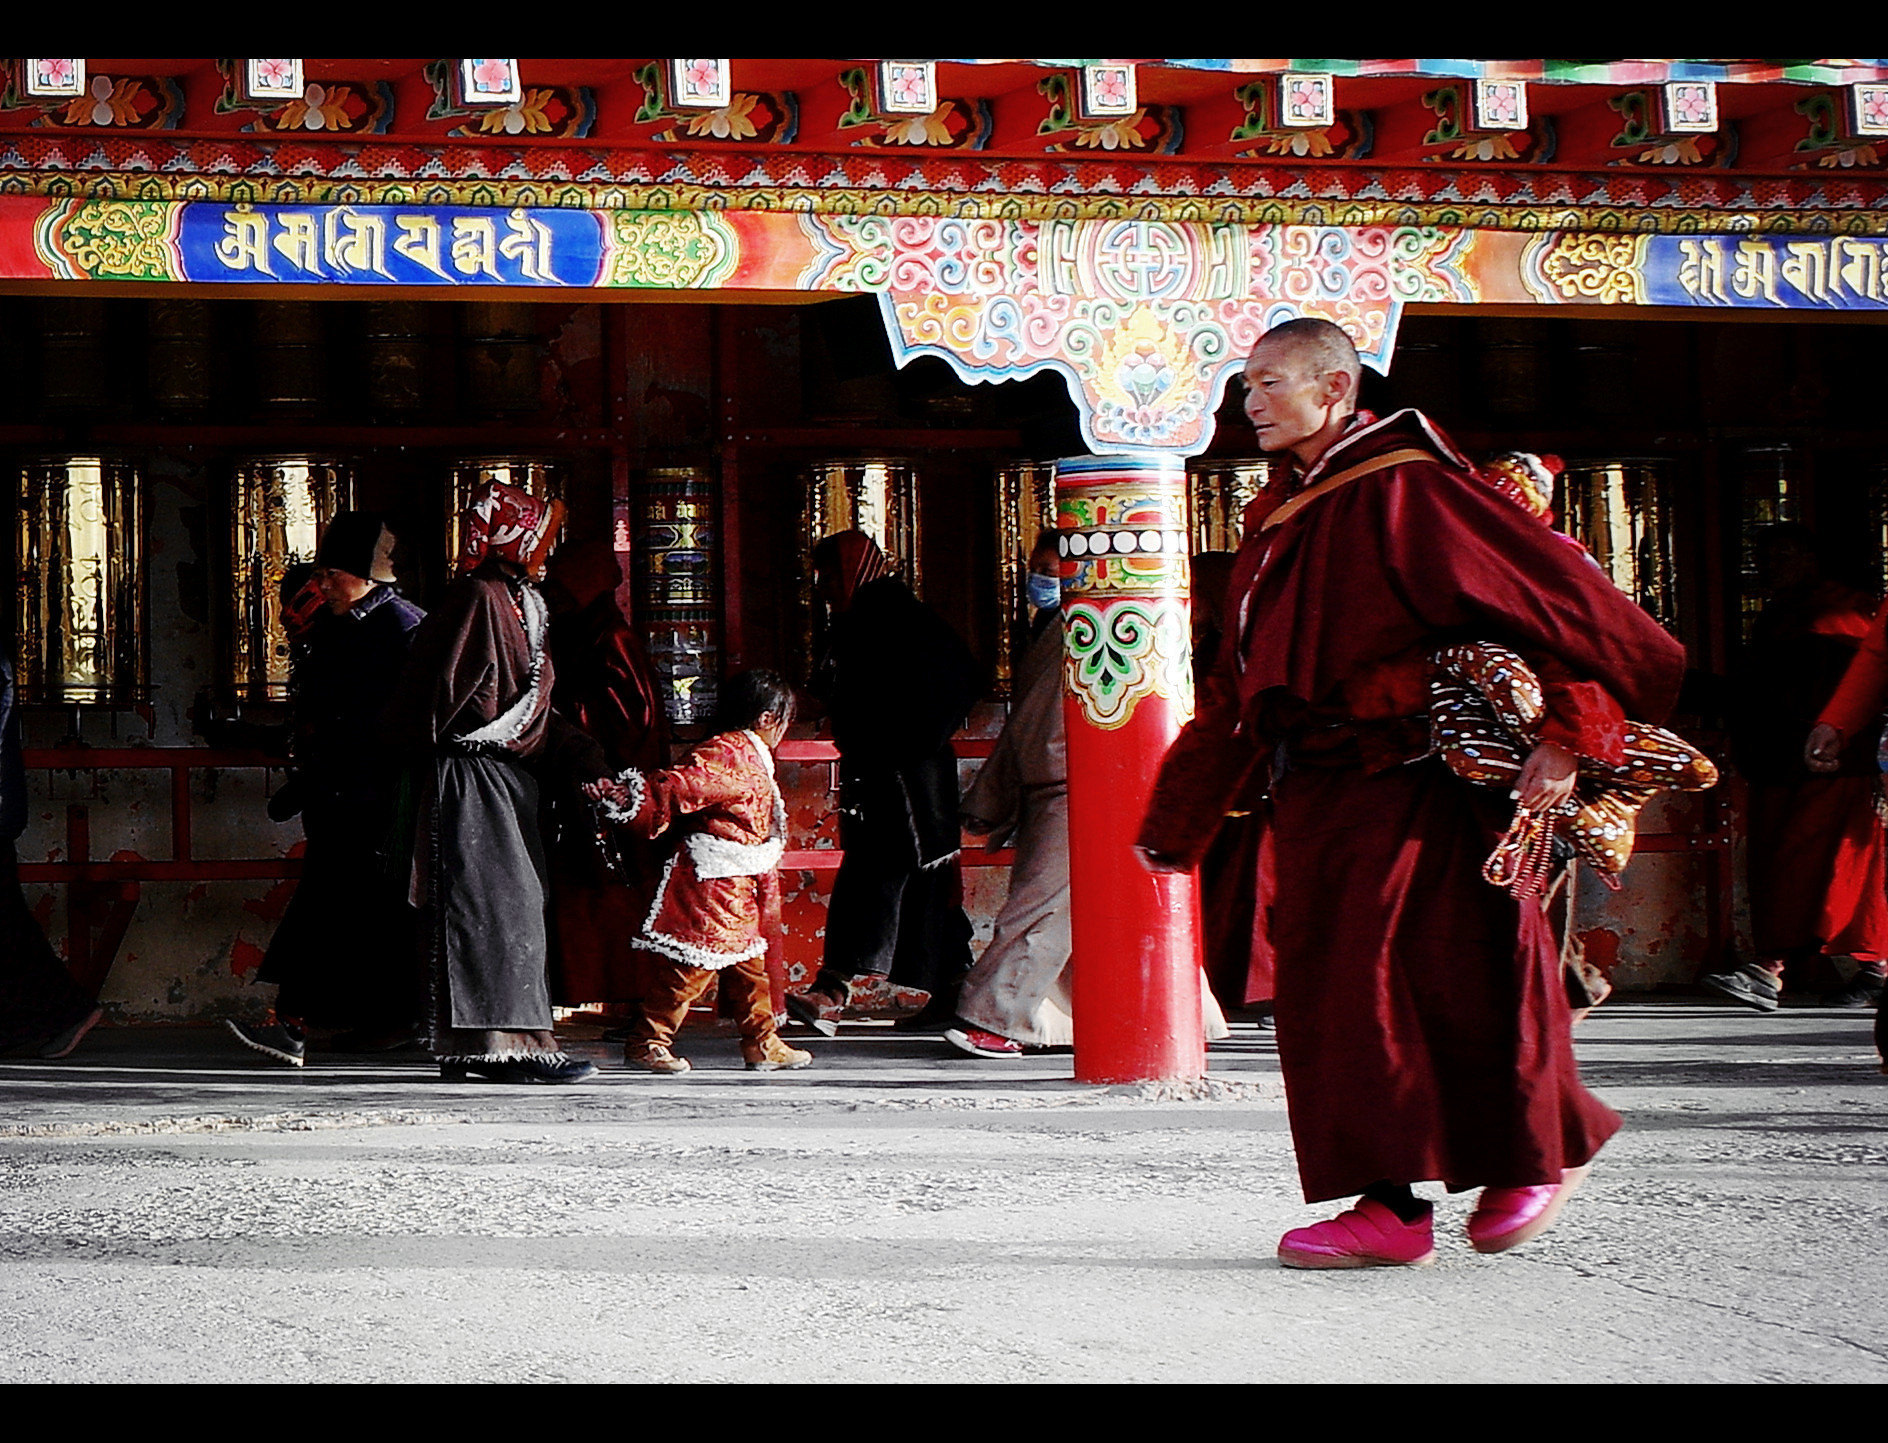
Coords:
1637,218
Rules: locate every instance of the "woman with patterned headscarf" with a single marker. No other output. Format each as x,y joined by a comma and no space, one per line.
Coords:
475,703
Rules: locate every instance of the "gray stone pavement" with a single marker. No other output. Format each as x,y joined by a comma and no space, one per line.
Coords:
173,1208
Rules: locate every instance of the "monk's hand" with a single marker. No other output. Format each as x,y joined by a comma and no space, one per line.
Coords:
1823,751
1547,779
1160,862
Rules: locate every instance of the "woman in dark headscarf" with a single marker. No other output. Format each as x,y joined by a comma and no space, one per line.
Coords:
341,953
476,703
897,682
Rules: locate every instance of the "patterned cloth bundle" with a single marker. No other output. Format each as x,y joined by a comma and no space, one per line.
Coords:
1485,713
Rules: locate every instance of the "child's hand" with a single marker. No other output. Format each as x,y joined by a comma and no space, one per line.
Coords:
607,789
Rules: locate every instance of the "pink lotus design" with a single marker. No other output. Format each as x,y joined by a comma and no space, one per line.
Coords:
1689,102
1875,109
908,87
704,77
273,73
492,77
1306,98
1111,88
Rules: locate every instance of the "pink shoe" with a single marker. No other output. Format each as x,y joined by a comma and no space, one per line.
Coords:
1368,1236
1506,1217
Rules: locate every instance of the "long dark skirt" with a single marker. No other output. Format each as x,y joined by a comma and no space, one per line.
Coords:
482,857
38,998
342,953
1422,1023
890,918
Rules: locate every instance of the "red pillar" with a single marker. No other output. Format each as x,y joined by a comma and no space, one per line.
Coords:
1128,689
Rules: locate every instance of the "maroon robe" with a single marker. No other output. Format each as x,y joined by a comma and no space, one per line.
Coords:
1423,1027
1816,851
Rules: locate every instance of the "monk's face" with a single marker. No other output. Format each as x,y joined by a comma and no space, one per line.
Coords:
1291,404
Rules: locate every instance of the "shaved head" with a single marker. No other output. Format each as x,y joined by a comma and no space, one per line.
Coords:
1315,347
1301,388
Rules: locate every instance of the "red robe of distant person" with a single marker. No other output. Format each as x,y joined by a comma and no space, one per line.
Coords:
1816,860
1423,1025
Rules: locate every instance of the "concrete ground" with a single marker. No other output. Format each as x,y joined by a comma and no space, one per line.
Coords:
173,1208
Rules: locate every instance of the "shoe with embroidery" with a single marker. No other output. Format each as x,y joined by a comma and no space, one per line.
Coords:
978,1043
1368,1236
816,1010
773,1055
1506,1217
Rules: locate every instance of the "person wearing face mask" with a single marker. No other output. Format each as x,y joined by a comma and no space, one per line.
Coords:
1018,993
339,955
1017,996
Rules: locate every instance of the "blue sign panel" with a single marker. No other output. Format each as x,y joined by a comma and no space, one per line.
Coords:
1834,273
390,245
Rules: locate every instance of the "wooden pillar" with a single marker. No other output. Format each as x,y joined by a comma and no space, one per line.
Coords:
1128,689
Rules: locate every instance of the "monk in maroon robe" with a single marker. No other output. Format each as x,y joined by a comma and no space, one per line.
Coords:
1423,1028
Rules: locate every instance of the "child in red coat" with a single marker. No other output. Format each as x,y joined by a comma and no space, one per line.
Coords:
718,899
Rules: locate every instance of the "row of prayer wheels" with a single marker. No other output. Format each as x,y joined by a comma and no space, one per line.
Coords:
81,613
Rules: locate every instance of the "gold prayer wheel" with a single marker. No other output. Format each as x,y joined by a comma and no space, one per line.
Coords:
1770,493
1025,508
875,495
79,563
534,474
1621,511
678,588
1218,492
279,506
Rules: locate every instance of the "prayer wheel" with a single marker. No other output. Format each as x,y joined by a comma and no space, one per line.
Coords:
875,495
678,589
1218,492
78,555
1127,691
534,474
1621,511
1025,508
1770,487
279,506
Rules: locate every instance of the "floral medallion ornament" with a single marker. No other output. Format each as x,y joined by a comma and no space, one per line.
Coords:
700,84
1691,106
1868,110
270,82
52,79
1307,100
1499,105
489,82
759,116
907,87
1108,91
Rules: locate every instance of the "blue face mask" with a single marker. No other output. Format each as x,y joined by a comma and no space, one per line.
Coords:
1045,592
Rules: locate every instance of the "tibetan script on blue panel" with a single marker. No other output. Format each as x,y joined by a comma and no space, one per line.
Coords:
1838,273
390,245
